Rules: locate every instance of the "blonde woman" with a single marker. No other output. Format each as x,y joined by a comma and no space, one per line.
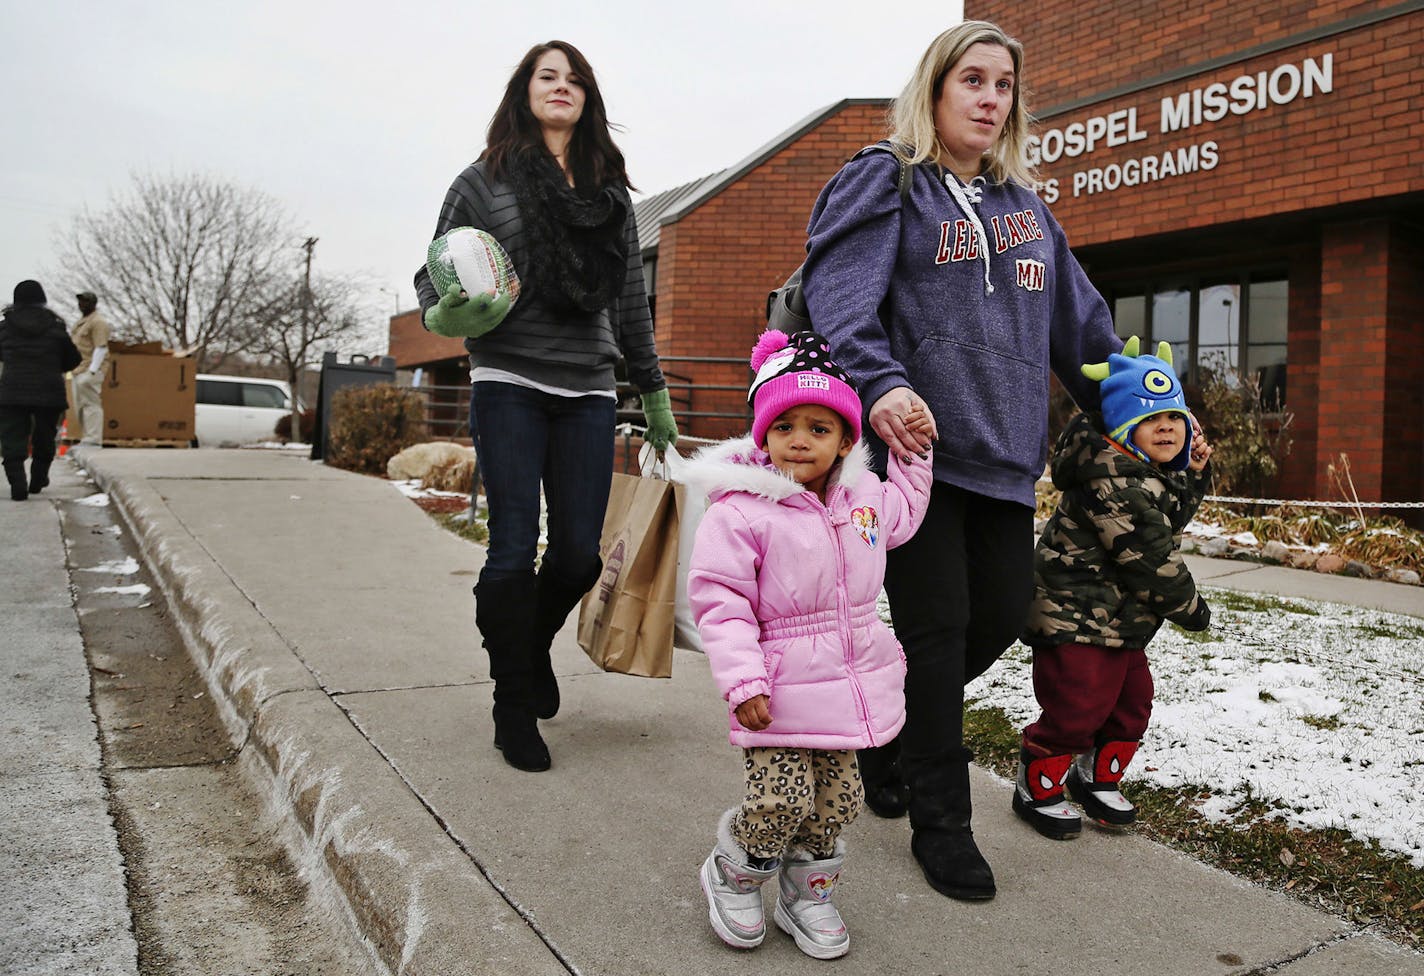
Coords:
961,299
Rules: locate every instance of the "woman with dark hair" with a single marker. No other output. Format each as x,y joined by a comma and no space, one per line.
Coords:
36,352
961,297
551,187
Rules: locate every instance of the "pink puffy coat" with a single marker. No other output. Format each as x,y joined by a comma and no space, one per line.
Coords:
784,590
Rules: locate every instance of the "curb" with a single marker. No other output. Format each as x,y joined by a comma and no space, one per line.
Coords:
362,837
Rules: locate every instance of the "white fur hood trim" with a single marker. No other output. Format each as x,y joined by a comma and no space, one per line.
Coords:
739,465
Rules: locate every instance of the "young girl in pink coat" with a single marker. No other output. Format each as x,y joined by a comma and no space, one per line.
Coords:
784,581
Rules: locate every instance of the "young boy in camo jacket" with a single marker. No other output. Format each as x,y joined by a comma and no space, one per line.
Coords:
1108,570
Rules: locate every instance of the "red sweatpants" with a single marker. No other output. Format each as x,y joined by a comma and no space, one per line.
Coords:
1089,695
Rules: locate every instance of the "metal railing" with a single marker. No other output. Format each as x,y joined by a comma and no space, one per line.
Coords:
447,408
447,411
687,396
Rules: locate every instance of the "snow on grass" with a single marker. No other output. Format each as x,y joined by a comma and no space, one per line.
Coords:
1314,708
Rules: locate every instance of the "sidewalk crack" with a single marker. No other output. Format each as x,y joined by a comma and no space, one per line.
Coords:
1280,964
464,848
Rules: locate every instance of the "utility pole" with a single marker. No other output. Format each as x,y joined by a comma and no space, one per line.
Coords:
296,436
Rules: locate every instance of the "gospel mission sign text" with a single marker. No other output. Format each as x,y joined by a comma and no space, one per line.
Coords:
1182,112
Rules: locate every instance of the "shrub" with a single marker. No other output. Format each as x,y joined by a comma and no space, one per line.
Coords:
1249,436
283,430
371,424
1385,541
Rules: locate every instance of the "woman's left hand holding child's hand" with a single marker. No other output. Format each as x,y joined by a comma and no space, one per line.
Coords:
754,713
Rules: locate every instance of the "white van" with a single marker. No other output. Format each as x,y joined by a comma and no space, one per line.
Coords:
239,409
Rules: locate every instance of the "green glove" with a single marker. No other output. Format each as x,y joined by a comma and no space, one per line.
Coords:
459,314
662,429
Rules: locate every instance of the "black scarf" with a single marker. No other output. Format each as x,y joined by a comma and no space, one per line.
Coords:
578,255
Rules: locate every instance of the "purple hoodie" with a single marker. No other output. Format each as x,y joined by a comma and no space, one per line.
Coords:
983,299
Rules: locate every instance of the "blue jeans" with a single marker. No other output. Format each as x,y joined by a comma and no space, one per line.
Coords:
528,438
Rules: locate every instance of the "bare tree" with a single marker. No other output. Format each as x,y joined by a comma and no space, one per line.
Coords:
184,260
302,318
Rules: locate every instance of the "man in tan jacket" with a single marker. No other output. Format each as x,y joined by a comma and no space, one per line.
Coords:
91,336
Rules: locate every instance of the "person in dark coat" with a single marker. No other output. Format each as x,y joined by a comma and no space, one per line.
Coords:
36,351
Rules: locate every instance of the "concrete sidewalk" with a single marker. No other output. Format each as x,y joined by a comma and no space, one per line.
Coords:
334,621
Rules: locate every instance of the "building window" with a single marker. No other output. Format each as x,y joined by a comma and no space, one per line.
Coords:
1219,326
1233,323
1266,344
1172,320
1130,315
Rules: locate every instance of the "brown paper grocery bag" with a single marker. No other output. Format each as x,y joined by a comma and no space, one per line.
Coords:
626,621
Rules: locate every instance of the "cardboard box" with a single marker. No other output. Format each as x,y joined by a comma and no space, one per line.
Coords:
149,393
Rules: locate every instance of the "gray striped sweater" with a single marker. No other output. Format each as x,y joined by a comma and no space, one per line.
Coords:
571,351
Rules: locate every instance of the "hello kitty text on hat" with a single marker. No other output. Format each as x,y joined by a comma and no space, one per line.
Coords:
794,370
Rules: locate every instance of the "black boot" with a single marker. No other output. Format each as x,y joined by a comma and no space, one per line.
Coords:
941,838
556,595
15,474
39,475
886,792
504,613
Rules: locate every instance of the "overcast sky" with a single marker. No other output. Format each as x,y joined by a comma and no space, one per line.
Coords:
356,116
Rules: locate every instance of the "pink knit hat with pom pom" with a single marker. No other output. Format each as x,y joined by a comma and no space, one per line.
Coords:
793,370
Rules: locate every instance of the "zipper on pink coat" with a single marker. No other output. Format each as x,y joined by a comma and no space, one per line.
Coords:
843,620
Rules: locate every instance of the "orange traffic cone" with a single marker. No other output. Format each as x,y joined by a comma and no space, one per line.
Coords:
64,437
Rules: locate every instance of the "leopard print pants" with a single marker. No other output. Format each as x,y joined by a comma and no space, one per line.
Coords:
797,798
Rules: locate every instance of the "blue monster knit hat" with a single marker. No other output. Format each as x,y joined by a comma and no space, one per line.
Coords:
1135,387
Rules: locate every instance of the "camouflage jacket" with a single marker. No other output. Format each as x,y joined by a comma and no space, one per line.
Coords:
1108,568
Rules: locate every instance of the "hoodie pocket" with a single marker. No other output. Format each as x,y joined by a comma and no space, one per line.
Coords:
991,408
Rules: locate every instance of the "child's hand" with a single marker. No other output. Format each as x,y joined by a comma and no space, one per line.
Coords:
888,418
754,713
919,421
1201,450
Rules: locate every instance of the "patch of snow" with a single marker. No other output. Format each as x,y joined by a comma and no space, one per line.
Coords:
122,567
1217,809
274,446
136,589
98,500
1314,708
412,489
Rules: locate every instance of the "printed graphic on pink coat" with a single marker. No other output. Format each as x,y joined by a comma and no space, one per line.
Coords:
867,524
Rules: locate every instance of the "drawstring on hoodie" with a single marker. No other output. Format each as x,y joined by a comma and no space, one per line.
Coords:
963,195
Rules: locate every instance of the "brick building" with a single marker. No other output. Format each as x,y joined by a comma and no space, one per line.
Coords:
1245,180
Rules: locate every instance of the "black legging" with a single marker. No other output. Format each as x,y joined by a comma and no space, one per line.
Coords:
959,596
